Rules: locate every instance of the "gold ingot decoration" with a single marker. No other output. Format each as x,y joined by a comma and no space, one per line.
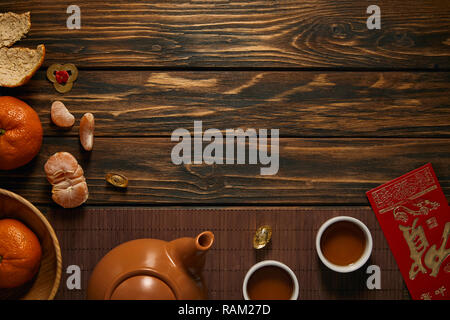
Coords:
117,180
262,237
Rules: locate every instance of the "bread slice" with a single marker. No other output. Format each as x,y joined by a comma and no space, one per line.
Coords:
18,65
13,27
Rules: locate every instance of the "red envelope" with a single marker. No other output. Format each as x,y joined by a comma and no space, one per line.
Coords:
415,217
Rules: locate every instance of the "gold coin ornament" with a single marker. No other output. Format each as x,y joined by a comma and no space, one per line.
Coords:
62,76
262,237
117,180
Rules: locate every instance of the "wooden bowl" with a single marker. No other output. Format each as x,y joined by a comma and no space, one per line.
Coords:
46,283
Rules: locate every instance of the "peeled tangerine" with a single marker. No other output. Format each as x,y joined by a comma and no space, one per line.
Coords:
61,116
67,178
87,131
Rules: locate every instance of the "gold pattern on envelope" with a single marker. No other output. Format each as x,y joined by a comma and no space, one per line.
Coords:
425,207
418,245
434,257
410,187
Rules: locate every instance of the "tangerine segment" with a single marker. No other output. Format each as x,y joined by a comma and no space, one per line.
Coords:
71,196
59,166
70,189
87,131
20,253
61,115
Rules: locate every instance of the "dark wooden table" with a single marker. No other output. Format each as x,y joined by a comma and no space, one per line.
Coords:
355,108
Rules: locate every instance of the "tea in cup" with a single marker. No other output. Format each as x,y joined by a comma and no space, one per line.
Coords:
270,280
344,244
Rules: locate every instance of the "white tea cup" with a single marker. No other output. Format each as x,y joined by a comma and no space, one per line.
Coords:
365,255
271,263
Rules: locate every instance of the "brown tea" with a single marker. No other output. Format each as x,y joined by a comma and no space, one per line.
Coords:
270,283
343,243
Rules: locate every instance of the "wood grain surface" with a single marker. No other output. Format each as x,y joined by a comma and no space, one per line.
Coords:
312,171
87,234
300,104
355,108
247,33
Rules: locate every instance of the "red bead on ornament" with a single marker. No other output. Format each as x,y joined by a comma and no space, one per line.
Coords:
61,76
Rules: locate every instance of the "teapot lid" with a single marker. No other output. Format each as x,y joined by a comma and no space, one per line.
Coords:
142,287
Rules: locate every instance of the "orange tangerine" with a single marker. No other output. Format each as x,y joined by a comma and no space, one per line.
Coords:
20,253
20,133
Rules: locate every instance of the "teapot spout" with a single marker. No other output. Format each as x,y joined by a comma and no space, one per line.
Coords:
204,241
191,251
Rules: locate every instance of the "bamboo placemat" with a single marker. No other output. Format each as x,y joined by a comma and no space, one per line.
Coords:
87,234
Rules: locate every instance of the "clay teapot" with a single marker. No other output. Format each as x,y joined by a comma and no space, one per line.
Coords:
151,269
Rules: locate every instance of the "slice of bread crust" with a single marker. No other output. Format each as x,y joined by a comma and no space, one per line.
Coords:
13,27
18,65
